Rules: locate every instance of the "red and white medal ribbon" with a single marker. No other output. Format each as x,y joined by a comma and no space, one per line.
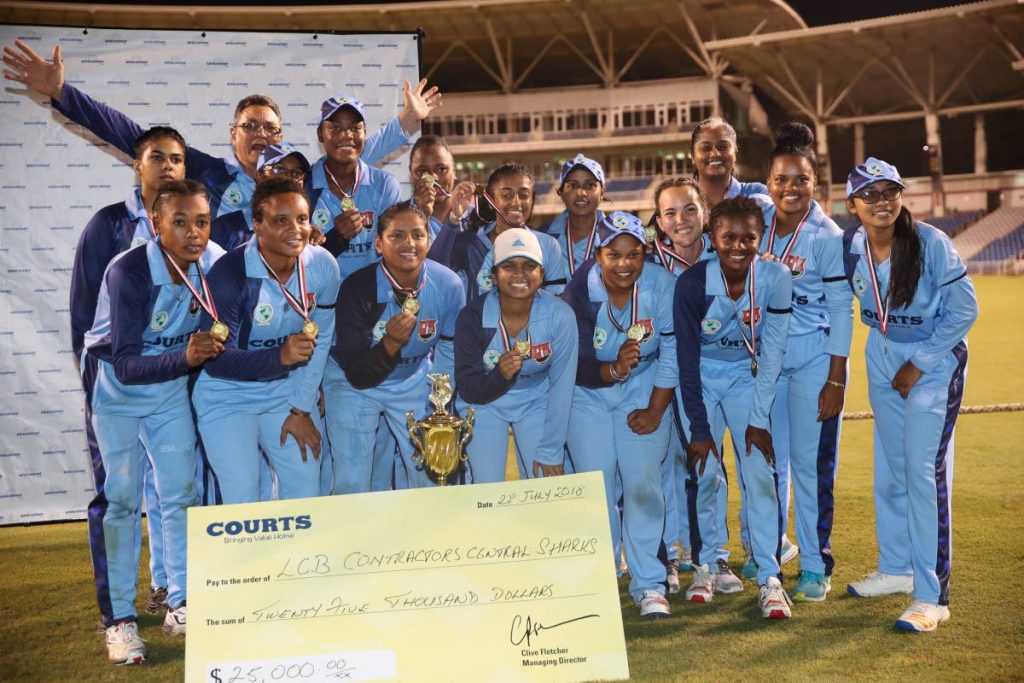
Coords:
883,310
302,309
587,250
751,344
399,288
506,338
494,205
792,240
634,313
205,299
355,185
670,258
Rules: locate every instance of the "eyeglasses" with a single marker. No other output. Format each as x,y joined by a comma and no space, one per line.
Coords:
872,196
588,185
284,171
255,128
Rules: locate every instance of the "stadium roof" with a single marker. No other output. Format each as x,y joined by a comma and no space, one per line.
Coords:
474,45
946,61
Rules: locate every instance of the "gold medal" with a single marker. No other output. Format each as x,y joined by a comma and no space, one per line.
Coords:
523,348
219,330
348,203
428,178
411,305
636,333
651,234
311,328
753,367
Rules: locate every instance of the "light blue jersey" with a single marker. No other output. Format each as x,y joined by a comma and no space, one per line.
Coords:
535,403
377,191
580,254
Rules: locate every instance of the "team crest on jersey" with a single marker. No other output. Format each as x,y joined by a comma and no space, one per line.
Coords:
263,314
795,265
379,330
710,325
137,241
427,330
600,337
648,325
485,280
491,359
860,285
320,217
757,316
193,307
540,353
233,197
159,321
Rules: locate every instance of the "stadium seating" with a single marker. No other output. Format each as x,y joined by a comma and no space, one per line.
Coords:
952,225
1007,247
988,230
628,184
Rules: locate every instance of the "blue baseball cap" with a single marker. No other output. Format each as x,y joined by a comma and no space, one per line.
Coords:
580,160
871,171
336,102
619,223
278,152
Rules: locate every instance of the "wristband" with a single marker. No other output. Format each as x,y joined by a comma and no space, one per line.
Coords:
833,383
616,376
297,412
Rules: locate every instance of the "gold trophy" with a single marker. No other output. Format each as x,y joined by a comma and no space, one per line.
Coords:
437,438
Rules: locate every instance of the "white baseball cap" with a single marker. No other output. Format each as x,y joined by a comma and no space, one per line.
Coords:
517,242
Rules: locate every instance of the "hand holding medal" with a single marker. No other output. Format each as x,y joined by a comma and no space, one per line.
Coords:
202,346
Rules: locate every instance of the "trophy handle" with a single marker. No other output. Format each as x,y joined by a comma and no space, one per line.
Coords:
417,441
468,421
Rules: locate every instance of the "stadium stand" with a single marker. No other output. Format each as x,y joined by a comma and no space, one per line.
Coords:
988,230
1010,246
953,225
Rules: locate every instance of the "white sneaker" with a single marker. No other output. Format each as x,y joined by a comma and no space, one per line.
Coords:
672,578
789,551
922,617
879,583
174,621
725,580
124,646
654,605
702,588
774,600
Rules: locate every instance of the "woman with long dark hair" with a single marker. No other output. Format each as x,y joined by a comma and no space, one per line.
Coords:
919,303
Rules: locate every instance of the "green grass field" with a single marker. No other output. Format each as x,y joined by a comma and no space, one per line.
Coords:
48,614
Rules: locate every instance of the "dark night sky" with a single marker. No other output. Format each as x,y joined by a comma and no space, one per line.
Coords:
820,12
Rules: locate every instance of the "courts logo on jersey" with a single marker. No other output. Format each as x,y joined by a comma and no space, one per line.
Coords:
159,321
320,217
485,280
600,337
710,325
648,325
263,314
757,316
427,330
540,353
795,264
860,285
379,330
491,358
233,197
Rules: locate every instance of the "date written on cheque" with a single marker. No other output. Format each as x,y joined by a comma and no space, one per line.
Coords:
546,494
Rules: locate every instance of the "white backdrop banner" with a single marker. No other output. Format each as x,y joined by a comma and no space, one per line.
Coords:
55,176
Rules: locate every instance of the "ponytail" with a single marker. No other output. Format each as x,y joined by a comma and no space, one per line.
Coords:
906,261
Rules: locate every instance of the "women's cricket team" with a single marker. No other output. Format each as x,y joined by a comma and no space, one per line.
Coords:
602,344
